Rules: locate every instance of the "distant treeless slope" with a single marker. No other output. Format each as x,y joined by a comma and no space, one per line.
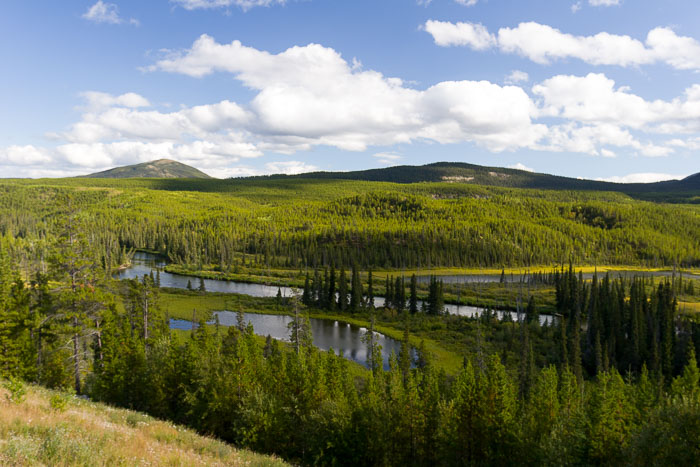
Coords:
162,168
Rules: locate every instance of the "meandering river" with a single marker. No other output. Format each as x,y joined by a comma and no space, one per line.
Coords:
144,263
342,337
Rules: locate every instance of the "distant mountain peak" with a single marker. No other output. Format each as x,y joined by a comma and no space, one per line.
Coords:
161,168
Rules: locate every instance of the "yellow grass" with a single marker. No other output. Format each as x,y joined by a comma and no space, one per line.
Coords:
689,307
521,270
91,434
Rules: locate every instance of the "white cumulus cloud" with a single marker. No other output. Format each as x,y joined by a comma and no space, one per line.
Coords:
103,12
544,44
289,167
310,96
474,35
516,77
99,100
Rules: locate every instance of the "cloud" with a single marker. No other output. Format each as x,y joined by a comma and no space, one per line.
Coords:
289,167
642,178
387,157
99,100
594,99
270,168
474,35
604,2
516,77
589,139
309,96
520,166
544,44
461,2
24,155
102,12
242,4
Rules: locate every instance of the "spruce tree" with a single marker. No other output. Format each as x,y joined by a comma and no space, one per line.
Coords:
343,291
306,295
389,294
356,291
370,291
399,295
413,299
81,299
331,289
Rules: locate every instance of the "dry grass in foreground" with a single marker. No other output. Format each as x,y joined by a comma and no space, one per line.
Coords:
48,428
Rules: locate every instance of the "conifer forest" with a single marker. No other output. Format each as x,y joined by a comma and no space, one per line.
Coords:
582,351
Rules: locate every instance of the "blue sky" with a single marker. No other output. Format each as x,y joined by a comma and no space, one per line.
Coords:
604,89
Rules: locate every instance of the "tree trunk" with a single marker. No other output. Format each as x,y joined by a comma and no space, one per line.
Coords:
145,318
76,356
99,340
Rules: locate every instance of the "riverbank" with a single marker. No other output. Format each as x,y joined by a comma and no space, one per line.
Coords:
295,277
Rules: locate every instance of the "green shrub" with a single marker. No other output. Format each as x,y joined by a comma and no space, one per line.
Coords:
16,388
59,401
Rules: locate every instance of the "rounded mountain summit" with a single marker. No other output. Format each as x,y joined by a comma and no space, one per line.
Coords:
162,168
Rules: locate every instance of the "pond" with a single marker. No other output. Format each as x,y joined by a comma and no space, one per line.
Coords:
344,338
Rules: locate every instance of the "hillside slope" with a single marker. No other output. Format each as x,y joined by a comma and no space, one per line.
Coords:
458,172
162,168
87,433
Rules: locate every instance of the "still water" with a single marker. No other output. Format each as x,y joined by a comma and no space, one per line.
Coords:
144,263
345,339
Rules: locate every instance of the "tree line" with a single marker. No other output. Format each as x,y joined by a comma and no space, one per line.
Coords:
302,224
332,291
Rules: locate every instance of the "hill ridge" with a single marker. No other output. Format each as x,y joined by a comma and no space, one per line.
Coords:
462,172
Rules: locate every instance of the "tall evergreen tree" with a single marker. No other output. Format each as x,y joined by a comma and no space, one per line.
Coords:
343,291
370,291
330,296
356,291
80,296
413,298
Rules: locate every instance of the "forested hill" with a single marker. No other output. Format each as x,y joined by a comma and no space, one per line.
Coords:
162,168
459,172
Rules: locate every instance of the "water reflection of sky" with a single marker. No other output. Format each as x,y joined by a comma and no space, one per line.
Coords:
345,339
144,263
